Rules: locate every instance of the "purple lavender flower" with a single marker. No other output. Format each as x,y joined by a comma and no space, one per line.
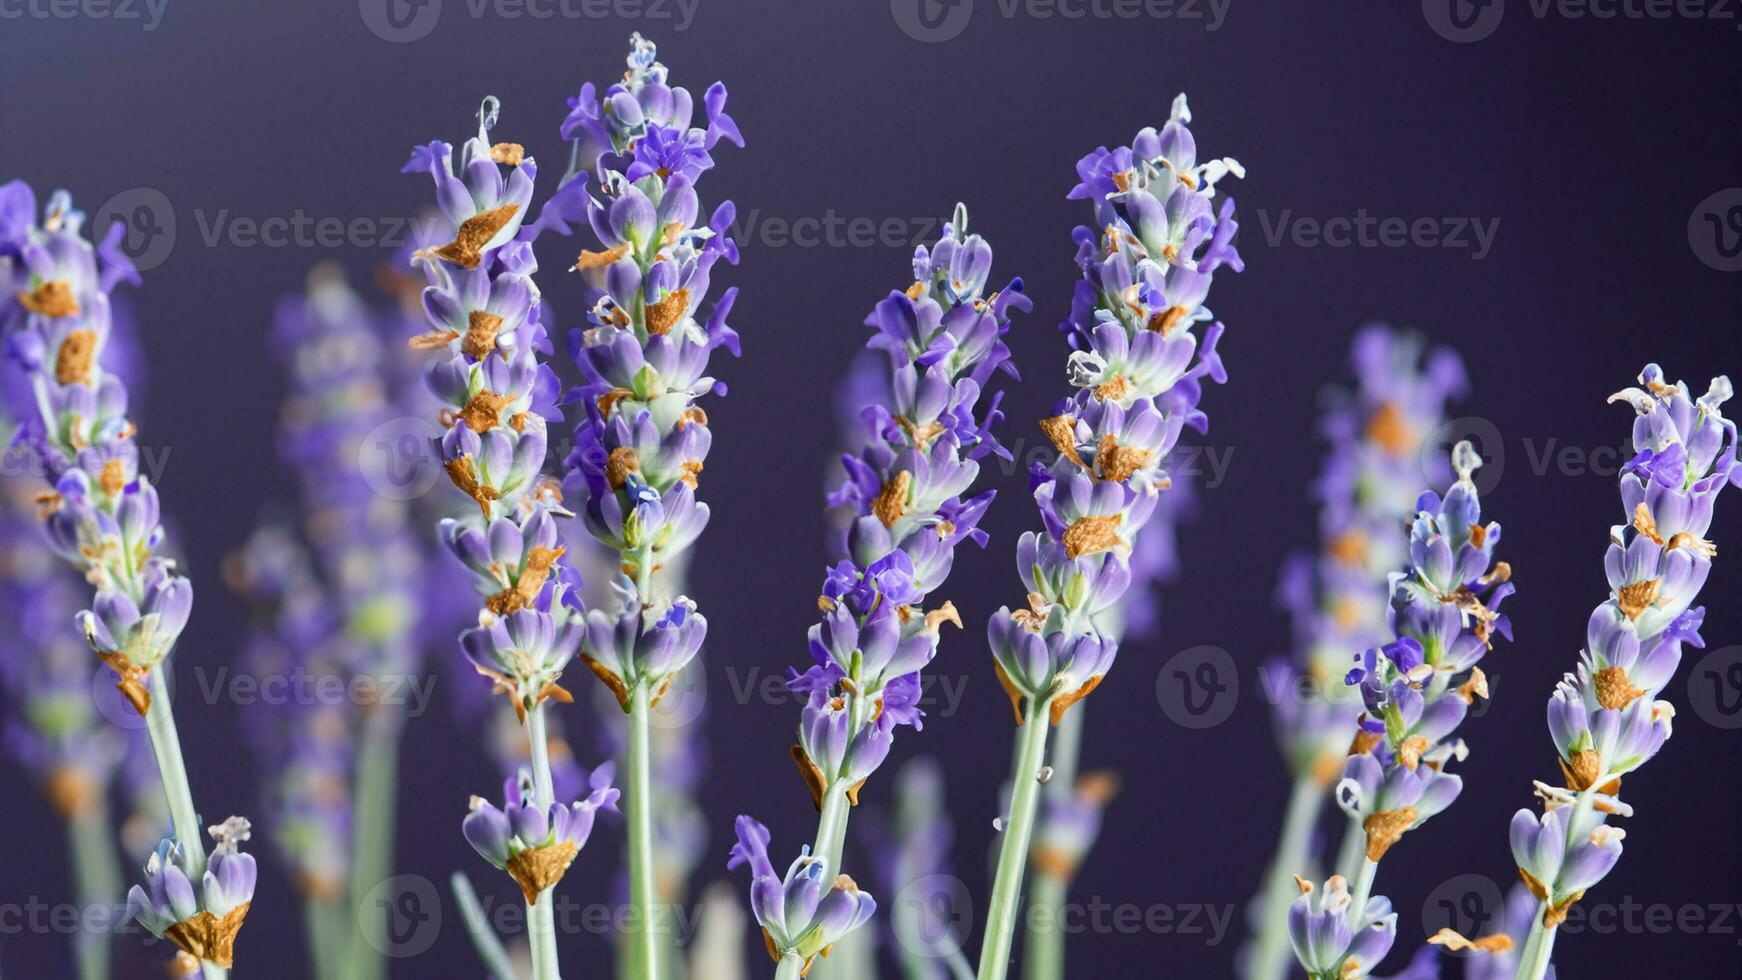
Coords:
1334,941
205,926
642,440
1605,718
536,844
805,913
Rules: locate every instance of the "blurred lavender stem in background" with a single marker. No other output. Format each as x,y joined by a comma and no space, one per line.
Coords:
1137,365
345,606
1378,461
1605,718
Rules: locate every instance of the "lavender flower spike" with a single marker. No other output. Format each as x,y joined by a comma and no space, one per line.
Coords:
1605,718
497,395
903,509
1445,613
1336,598
1138,366
103,513
641,439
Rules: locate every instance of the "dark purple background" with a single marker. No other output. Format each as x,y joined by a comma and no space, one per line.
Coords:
1591,141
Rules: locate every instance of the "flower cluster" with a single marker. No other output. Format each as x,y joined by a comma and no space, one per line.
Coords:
1445,613
102,514
903,511
496,396
1372,475
1138,365
904,507
806,912
641,441
1334,940
536,844
1605,718
205,925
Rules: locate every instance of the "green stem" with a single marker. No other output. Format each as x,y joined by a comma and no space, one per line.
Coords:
1013,854
791,967
97,870
1363,888
638,809
325,928
1271,951
166,746
372,835
541,917
1043,953
1534,959
484,939
1043,956
1353,851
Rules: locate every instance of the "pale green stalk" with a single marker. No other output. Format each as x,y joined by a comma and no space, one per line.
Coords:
172,770
484,939
1271,954
1043,954
637,807
1013,854
791,967
97,869
326,928
375,798
541,917
1363,888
